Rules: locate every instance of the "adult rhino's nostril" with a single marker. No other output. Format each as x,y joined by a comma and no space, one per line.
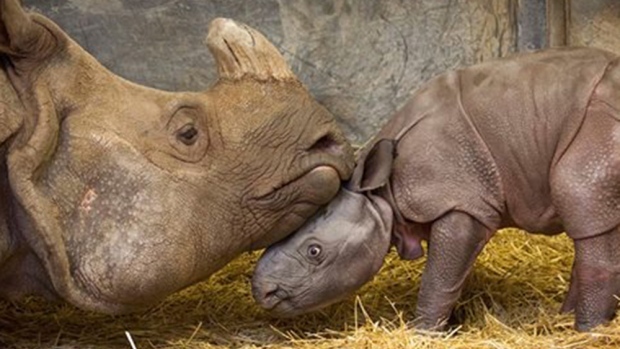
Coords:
327,143
333,149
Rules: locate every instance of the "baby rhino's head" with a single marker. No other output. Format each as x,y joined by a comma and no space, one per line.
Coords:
332,255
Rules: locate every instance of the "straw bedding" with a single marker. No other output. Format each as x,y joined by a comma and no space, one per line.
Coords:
511,301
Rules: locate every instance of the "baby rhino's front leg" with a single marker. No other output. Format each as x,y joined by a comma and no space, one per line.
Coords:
595,280
455,241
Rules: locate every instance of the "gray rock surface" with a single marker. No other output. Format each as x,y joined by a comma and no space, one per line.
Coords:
595,23
362,59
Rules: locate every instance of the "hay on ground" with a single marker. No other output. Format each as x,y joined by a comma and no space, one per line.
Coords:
511,301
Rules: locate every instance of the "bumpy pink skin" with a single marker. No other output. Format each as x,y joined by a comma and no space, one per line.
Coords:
529,141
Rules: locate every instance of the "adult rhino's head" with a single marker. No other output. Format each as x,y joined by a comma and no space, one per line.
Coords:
127,193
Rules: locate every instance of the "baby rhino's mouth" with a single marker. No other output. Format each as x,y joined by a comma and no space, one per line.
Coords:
281,303
269,296
275,299
270,293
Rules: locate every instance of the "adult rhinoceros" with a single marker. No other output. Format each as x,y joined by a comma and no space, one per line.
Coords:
115,195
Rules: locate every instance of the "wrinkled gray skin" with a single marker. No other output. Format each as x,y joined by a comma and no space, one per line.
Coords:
530,141
115,195
334,254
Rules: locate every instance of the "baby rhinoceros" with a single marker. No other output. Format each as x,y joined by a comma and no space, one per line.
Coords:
531,141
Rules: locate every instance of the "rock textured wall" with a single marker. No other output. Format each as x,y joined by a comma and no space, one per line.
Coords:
361,59
595,23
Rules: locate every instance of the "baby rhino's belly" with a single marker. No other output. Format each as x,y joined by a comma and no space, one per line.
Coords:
529,207
537,218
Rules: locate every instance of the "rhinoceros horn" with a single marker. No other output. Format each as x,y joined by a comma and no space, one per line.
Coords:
241,51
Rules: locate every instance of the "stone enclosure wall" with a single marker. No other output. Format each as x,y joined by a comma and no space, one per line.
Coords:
361,58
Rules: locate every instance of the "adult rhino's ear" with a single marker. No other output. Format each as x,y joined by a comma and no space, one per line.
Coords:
241,51
26,38
374,167
27,42
38,214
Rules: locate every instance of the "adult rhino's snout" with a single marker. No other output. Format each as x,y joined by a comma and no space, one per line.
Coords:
336,150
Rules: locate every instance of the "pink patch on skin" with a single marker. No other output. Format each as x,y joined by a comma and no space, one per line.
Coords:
88,199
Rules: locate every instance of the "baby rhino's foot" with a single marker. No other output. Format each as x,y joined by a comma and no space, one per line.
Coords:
427,327
592,295
597,302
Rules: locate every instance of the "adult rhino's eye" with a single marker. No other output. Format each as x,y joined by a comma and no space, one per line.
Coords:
314,251
188,134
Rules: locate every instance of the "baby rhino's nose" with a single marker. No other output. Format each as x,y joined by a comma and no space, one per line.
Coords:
268,294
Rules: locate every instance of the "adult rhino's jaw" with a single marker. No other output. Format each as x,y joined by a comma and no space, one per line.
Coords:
313,182
324,178
308,192
329,161
321,177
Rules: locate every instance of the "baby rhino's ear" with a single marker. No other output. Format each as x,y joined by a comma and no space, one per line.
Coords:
374,167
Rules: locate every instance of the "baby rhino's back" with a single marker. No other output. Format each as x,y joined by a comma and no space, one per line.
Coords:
483,139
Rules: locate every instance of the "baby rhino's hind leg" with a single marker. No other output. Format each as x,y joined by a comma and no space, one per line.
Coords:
595,281
585,188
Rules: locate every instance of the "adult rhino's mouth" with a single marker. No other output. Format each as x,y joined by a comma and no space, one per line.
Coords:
328,160
314,181
315,177
291,203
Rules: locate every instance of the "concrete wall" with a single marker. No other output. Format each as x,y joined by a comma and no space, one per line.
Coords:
362,59
595,23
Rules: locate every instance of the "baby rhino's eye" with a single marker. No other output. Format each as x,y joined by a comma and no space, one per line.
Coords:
314,251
